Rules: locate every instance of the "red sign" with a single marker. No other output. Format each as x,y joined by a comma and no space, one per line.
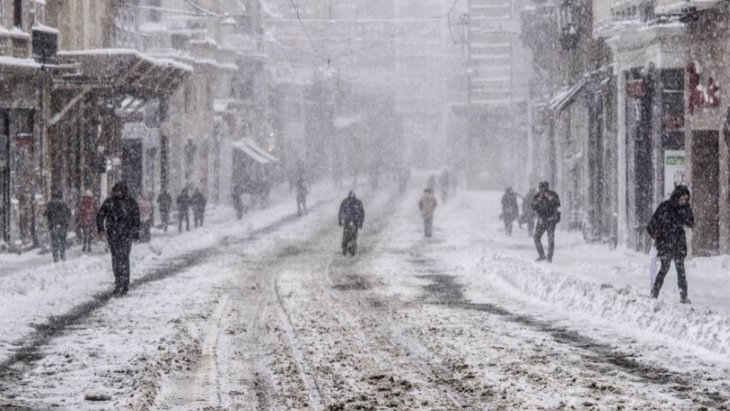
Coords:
701,95
636,88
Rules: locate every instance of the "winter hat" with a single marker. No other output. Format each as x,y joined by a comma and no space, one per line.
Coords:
679,191
121,188
544,185
351,194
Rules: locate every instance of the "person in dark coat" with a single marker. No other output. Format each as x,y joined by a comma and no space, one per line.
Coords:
666,228
351,217
118,219
546,203
510,209
198,203
183,210
164,202
528,214
58,215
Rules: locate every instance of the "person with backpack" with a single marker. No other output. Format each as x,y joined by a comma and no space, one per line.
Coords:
118,220
58,215
666,228
351,217
427,204
546,203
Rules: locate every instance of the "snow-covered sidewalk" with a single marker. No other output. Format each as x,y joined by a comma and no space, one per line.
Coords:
32,288
585,281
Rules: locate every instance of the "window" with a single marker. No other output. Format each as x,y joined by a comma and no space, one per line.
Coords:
18,13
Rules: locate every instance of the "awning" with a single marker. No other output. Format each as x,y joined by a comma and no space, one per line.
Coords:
123,71
255,156
252,144
565,97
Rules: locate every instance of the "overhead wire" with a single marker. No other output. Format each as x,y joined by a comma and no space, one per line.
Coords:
295,6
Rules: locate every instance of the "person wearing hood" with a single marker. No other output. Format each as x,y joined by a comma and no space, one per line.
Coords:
58,215
118,219
351,217
546,203
427,204
666,228
86,211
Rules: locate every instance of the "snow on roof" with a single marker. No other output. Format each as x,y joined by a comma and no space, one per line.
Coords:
18,62
163,62
44,28
19,33
260,150
243,146
176,54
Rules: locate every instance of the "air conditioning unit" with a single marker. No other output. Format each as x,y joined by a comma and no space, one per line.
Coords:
45,45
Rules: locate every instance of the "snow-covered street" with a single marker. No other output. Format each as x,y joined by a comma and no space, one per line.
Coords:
267,314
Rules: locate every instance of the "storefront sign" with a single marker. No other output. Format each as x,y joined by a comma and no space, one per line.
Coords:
636,88
674,170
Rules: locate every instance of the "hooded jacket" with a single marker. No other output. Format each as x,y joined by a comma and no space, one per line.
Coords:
667,224
118,216
427,204
351,209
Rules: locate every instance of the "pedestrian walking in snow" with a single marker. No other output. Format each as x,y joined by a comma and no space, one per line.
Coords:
666,228
238,201
58,215
351,217
528,214
427,204
302,193
444,183
510,209
546,203
183,210
145,217
86,213
118,220
164,203
198,203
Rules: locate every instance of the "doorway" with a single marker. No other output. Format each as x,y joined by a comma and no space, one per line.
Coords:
706,192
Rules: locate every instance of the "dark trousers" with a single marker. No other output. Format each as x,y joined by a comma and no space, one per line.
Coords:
183,216
349,239
681,276
427,226
165,217
58,243
541,228
198,217
120,248
530,226
508,222
87,235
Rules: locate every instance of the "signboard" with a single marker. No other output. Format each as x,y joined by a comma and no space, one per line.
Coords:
674,170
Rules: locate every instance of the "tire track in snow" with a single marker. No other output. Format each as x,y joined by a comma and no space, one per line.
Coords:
29,348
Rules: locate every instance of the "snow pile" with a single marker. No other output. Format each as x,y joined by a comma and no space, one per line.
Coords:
704,327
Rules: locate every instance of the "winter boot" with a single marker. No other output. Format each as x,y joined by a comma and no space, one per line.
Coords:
541,258
685,300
